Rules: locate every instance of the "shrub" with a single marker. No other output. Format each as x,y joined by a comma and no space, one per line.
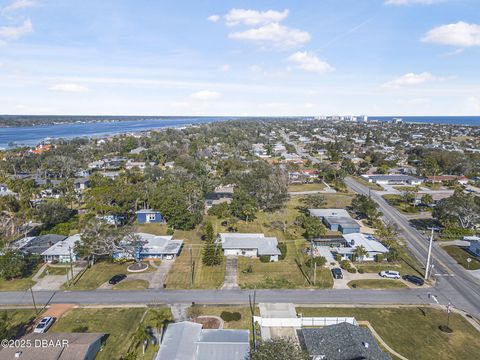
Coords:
283,249
230,316
379,257
361,271
170,231
265,258
352,270
80,329
338,257
319,260
345,264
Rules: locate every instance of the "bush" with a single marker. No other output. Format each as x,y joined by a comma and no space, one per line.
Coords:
379,258
319,260
283,249
170,231
265,258
361,271
230,316
352,270
345,264
338,257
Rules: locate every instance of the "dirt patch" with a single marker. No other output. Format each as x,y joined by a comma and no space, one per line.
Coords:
57,310
208,322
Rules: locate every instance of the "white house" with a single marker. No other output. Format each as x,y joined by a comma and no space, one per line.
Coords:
153,247
474,247
249,245
392,179
63,251
352,241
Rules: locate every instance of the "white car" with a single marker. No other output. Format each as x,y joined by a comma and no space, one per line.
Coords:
390,274
44,325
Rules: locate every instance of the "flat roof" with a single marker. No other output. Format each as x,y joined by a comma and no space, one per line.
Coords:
264,245
328,212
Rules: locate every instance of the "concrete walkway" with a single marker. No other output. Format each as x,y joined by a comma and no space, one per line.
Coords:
277,310
179,312
53,282
230,281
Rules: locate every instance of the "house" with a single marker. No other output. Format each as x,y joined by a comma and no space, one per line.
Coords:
342,341
141,165
336,220
60,346
474,246
249,245
149,216
37,244
393,179
81,184
137,150
63,251
153,247
352,241
220,195
462,180
188,341
4,190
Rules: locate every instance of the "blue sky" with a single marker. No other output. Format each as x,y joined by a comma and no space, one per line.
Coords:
377,57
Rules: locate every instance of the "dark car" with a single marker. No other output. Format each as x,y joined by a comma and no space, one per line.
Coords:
337,273
116,279
414,279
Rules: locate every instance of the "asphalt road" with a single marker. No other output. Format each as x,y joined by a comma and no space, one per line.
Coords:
453,283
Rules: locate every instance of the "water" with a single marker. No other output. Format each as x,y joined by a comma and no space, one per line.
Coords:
33,135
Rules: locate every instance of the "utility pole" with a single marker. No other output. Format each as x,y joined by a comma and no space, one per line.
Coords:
427,268
71,263
191,266
33,300
311,259
315,275
252,312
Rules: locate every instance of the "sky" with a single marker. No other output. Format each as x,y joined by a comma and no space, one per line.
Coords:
240,58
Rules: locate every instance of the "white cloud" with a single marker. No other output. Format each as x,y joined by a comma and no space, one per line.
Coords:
411,79
224,68
461,34
69,87
411,2
254,17
310,62
18,5
213,18
275,35
8,33
472,104
205,95
255,68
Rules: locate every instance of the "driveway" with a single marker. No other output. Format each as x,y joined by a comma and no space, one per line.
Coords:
277,310
230,281
157,278
52,282
347,277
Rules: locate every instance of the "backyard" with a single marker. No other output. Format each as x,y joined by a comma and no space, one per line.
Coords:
414,331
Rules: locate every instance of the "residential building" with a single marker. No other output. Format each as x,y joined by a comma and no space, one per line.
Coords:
220,195
188,341
352,241
343,341
141,165
249,245
37,244
81,184
152,247
393,179
462,180
336,220
63,251
149,216
66,346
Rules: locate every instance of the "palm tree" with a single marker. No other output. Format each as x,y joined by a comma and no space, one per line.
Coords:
141,337
360,252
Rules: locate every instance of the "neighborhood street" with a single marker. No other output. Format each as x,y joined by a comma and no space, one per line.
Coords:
453,281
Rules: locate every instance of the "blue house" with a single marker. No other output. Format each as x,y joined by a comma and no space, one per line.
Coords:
336,220
149,216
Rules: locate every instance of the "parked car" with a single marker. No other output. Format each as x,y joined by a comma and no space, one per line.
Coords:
414,279
116,279
44,325
390,274
337,273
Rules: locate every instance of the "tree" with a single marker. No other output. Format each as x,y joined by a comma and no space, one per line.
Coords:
212,254
12,265
366,206
52,213
243,206
314,201
4,325
313,226
360,252
427,199
279,349
208,233
462,209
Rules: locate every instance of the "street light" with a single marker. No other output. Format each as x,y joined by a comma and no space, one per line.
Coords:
429,255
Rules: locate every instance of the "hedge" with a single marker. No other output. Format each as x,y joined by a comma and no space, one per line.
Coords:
230,316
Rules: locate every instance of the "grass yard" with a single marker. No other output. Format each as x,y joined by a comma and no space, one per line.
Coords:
461,255
153,228
397,202
306,187
131,285
55,270
99,274
121,326
19,284
401,266
338,201
17,320
413,331
243,323
377,284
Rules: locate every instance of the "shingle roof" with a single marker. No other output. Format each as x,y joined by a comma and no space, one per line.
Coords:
39,244
343,341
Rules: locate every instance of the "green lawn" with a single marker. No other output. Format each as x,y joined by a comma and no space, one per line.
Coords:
120,323
17,320
131,285
55,270
152,228
413,332
243,323
19,284
461,255
377,284
306,187
401,266
98,274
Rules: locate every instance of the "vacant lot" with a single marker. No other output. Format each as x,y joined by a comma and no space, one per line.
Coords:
306,187
377,284
413,332
17,320
121,324
20,283
461,255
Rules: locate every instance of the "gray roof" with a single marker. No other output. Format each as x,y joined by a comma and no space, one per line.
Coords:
343,341
393,177
321,213
343,221
39,244
187,341
264,245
